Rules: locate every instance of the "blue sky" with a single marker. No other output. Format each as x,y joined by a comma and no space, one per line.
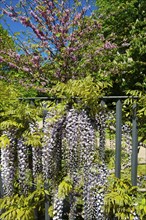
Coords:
14,27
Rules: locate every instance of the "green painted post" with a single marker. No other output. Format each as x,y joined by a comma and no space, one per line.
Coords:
46,211
134,147
118,138
47,217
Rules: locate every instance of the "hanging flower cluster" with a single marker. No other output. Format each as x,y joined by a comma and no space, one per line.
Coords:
57,207
101,126
36,153
51,151
7,164
126,136
23,165
72,138
69,149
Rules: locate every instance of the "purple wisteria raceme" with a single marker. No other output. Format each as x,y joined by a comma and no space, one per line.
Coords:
57,207
101,125
7,164
23,164
93,194
102,172
87,153
51,150
87,140
80,151
127,141
46,150
36,161
72,138
100,183
71,150
36,153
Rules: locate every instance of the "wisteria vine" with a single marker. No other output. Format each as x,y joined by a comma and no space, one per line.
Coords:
69,148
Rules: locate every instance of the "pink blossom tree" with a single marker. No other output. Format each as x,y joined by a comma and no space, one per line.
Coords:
63,43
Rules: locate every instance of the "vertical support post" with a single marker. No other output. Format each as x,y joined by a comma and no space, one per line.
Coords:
47,217
118,138
134,147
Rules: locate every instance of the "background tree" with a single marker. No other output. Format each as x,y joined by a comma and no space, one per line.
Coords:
124,22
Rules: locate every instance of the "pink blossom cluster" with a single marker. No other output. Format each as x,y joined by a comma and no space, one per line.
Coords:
36,17
109,45
10,13
36,60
